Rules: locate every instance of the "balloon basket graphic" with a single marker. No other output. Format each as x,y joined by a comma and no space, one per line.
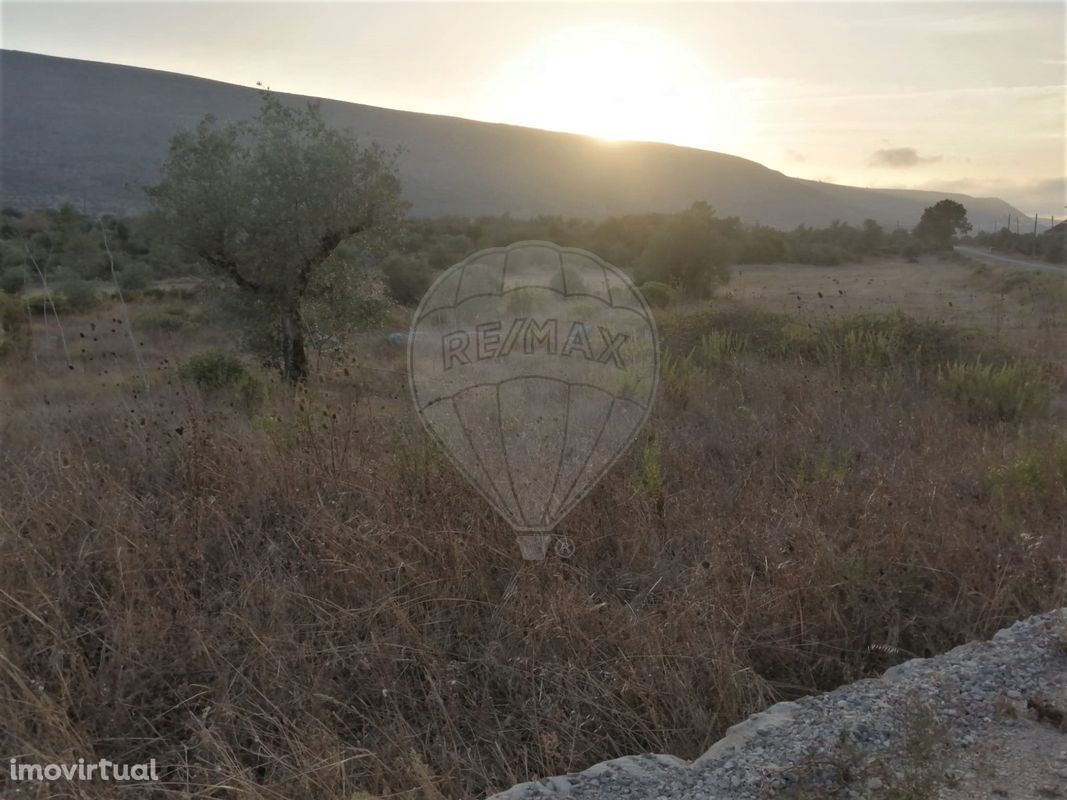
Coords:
534,546
534,367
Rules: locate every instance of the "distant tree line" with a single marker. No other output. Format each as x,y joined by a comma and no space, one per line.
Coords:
689,252
1049,245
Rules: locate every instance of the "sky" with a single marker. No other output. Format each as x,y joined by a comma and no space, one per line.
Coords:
953,96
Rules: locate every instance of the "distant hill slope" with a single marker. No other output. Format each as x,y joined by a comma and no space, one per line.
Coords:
92,133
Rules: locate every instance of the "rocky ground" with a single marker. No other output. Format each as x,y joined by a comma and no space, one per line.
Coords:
985,720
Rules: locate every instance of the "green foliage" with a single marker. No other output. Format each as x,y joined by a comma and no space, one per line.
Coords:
988,393
78,296
693,251
819,254
213,373
764,246
448,249
1049,245
406,277
883,340
344,297
164,317
863,342
656,294
679,376
13,329
940,222
717,347
134,276
13,280
266,204
1053,246
1035,479
873,236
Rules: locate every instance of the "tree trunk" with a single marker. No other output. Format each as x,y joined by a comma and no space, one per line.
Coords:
295,362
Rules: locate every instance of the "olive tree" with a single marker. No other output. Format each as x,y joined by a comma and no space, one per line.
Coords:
266,202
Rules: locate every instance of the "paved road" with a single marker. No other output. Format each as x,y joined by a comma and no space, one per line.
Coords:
1007,261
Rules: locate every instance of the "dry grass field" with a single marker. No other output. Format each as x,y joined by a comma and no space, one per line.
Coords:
290,595
1028,309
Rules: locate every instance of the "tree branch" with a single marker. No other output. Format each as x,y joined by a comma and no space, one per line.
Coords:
327,244
230,268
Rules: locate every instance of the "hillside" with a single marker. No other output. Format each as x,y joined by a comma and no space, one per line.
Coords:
91,133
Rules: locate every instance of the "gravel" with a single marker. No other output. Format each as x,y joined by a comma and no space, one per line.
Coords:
983,720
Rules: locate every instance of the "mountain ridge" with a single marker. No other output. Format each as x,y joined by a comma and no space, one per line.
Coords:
90,133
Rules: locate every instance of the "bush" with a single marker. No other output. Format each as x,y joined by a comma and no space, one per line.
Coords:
911,252
13,330
78,296
820,255
218,374
165,317
882,340
406,278
656,294
213,371
1035,479
173,292
718,347
1008,392
13,280
135,276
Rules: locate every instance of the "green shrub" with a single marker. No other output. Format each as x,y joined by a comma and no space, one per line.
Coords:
1008,392
822,255
172,292
406,278
1034,480
134,277
213,372
682,331
13,330
718,347
657,294
78,296
679,377
883,340
166,317
13,280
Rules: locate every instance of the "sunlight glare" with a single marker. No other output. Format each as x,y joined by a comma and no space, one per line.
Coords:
618,82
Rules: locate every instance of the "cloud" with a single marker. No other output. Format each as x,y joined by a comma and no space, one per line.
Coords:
900,157
794,156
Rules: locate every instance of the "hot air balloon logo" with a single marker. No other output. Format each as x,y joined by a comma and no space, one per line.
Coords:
534,366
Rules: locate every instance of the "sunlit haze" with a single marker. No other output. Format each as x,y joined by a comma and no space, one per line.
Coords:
948,96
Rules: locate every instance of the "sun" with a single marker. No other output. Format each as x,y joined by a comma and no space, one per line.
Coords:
617,82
